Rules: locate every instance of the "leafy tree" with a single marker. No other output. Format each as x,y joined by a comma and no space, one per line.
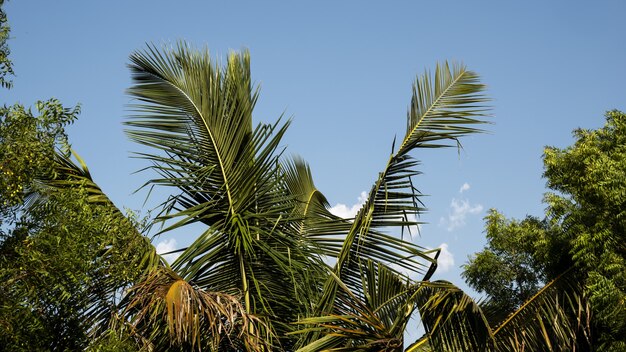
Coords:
268,227
65,251
77,273
509,270
583,231
61,254
6,66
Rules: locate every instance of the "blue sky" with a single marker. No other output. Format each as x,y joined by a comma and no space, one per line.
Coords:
343,70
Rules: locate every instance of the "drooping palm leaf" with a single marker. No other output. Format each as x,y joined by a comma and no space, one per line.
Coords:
557,318
371,321
130,248
453,321
192,317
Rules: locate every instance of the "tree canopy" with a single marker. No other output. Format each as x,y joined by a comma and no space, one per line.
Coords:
583,230
76,273
6,66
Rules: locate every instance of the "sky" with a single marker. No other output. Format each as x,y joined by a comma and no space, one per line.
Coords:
343,70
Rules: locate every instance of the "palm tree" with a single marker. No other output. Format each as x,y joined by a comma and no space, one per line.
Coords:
257,278
268,228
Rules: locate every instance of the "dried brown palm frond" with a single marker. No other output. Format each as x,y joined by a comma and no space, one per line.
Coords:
193,318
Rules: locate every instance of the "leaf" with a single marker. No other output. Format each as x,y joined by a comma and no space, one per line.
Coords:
443,109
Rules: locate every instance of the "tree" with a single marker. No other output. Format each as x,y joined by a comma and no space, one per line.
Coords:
256,278
65,252
267,225
77,273
60,243
256,270
583,231
508,270
6,66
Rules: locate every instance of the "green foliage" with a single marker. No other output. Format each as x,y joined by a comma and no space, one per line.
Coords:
444,107
6,66
28,148
62,255
50,267
78,274
583,229
511,268
589,179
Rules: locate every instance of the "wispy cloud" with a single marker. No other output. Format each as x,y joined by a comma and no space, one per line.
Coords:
445,261
346,211
459,210
168,246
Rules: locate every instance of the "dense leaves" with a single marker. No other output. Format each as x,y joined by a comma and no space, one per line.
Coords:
508,270
583,231
6,66
64,256
27,148
53,269
77,273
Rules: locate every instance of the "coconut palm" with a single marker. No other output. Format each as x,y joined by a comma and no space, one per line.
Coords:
257,276
267,228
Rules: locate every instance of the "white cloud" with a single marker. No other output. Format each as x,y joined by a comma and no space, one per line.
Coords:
168,246
348,212
459,210
445,260
464,188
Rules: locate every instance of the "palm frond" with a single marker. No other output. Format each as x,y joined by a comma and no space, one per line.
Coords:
126,245
193,318
443,109
557,318
198,117
68,175
373,320
453,321
421,345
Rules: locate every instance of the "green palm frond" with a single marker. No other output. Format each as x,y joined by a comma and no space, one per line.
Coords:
443,108
198,117
328,231
453,320
126,246
69,174
373,320
557,318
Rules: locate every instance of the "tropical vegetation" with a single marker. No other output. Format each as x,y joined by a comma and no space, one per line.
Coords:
581,234
272,267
